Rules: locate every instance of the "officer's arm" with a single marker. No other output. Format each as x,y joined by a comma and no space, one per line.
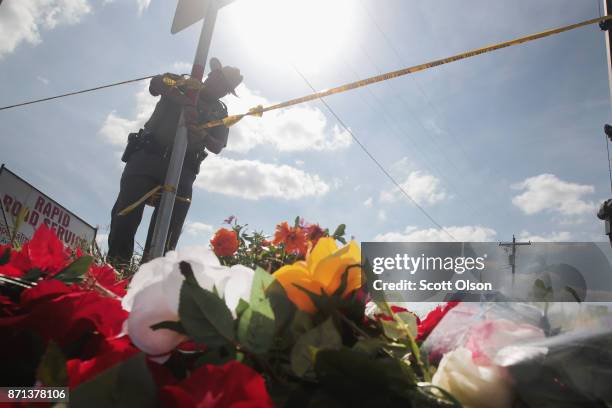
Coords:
160,87
216,139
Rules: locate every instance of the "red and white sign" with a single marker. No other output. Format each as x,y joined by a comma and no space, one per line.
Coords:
20,200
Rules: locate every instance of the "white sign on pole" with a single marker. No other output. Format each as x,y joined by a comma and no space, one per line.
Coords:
188,12
20,199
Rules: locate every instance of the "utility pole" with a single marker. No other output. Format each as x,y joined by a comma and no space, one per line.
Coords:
188,12
512,256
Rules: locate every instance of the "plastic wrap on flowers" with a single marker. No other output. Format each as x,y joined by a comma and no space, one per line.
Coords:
567,370
553,355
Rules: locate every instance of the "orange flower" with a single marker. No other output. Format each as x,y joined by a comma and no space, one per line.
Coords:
225,242
293,238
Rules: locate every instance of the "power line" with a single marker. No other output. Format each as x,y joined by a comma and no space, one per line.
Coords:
366,151
433,108
76,92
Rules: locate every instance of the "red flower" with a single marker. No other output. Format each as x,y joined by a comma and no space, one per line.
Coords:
112,352
63,313
46,251
430,322
106,276
21,259
230,385
293,238
314,232
225,242
11,270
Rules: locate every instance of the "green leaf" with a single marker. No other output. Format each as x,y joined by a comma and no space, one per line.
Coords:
256,331
5,257
373,346
283,308
296,223
170,325
216,356
324,336
256,326
301,323
51,370
340,231
261,281
350,371
32,275
205,317
242,307
410,322
128,384
392,329
74,272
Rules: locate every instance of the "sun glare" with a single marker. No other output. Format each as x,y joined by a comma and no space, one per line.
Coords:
309,33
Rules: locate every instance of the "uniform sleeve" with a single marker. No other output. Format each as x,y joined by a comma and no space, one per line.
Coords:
216,139
159,87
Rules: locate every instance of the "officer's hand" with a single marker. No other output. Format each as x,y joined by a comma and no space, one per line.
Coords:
190,113
178,96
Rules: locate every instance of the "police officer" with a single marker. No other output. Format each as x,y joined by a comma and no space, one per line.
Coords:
147,154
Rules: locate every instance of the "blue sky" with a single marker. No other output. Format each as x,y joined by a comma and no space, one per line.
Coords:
507,142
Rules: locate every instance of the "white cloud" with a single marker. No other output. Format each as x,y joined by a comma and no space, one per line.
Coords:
23,20
198,228
181,67
116,128
547,192
423,187
43,80
252,179
559,236
467,233
369,202
143,5
297,128
382,215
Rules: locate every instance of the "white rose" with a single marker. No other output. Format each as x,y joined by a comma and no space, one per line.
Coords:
475,386
153,294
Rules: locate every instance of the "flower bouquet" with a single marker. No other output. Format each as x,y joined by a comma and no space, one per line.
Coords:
252,321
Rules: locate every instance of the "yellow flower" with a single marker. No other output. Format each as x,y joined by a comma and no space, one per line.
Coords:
321,273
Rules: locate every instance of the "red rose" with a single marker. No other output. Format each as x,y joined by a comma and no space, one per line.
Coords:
225,242
230,385
107,277
430,322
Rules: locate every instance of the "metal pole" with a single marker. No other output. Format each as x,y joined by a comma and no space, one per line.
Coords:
607,9
166,205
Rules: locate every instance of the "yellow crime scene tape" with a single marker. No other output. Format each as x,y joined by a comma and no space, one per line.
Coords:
260,110
151,196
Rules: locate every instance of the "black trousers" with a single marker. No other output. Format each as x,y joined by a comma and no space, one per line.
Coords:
143,172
